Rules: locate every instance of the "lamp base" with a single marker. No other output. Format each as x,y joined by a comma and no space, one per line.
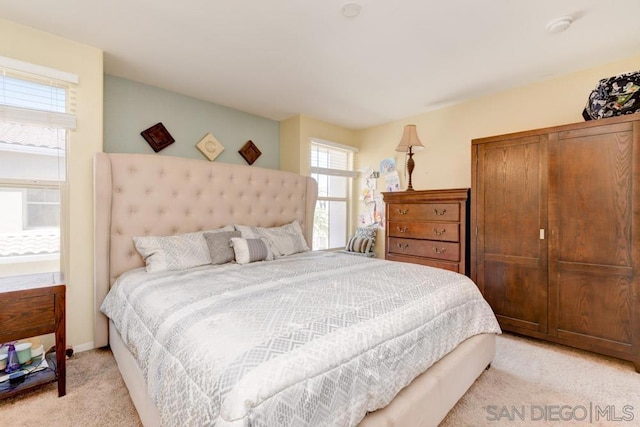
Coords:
410,165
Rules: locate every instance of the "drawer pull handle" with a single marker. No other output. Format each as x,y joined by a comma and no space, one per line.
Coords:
402,229
403,246
439,251
439,232
403,211
439,212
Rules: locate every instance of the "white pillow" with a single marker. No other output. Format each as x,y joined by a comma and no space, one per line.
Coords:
250,250
168,253
283,240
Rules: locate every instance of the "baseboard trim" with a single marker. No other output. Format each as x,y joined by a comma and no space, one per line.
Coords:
79,348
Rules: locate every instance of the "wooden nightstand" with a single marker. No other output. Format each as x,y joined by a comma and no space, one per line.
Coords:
31,310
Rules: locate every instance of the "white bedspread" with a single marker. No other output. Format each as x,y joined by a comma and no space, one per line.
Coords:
314,339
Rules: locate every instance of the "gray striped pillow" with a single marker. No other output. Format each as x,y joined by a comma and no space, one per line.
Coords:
359,244
250,250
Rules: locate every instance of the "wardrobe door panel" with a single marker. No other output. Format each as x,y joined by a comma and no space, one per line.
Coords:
595,306
591,217
511,261
593,186
514,292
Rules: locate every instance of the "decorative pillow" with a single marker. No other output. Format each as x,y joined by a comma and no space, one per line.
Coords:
359,244
219,244
283,240
165,253
250,250
368,232
362,241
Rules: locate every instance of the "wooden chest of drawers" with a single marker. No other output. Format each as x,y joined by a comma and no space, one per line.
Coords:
428,227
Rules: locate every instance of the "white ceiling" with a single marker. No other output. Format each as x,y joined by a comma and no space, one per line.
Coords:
279,58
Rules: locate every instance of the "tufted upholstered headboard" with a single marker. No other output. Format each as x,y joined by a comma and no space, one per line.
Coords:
147,194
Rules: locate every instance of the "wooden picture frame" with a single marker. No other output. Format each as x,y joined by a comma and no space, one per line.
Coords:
158,137
250,152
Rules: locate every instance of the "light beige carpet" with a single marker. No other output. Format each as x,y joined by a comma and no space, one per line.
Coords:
530,383
533,383
96,396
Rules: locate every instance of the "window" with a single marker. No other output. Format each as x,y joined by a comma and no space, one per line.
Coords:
42,208
36,115
332,168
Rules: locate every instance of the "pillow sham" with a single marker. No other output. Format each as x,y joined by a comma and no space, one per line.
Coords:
283,240
219,244
250,250
167,253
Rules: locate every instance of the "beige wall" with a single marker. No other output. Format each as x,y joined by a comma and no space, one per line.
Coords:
30,45
295,134
290,144
447,133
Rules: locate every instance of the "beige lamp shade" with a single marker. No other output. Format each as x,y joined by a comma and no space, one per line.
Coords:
410,140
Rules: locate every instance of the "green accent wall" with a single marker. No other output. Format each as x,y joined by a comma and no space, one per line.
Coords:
131,107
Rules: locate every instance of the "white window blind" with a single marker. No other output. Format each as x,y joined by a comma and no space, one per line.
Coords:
36,114
25,100
332,159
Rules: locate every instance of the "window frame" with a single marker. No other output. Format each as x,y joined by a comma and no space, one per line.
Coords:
348,173
14,113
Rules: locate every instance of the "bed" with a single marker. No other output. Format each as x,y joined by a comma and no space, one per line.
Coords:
150,195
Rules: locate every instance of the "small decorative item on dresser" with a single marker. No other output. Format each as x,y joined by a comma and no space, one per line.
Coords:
250,152
158,137
210,147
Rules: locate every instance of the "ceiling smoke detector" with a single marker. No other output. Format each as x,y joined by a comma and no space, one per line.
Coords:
351,10
559,25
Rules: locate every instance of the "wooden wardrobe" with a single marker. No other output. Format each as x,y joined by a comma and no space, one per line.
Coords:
555,233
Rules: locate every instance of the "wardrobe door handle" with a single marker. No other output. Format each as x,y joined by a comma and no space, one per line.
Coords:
439,212
439,233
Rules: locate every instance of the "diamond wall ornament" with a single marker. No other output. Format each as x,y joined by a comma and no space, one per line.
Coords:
158,137
250,152
210,147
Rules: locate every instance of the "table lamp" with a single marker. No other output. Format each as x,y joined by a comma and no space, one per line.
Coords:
408,143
